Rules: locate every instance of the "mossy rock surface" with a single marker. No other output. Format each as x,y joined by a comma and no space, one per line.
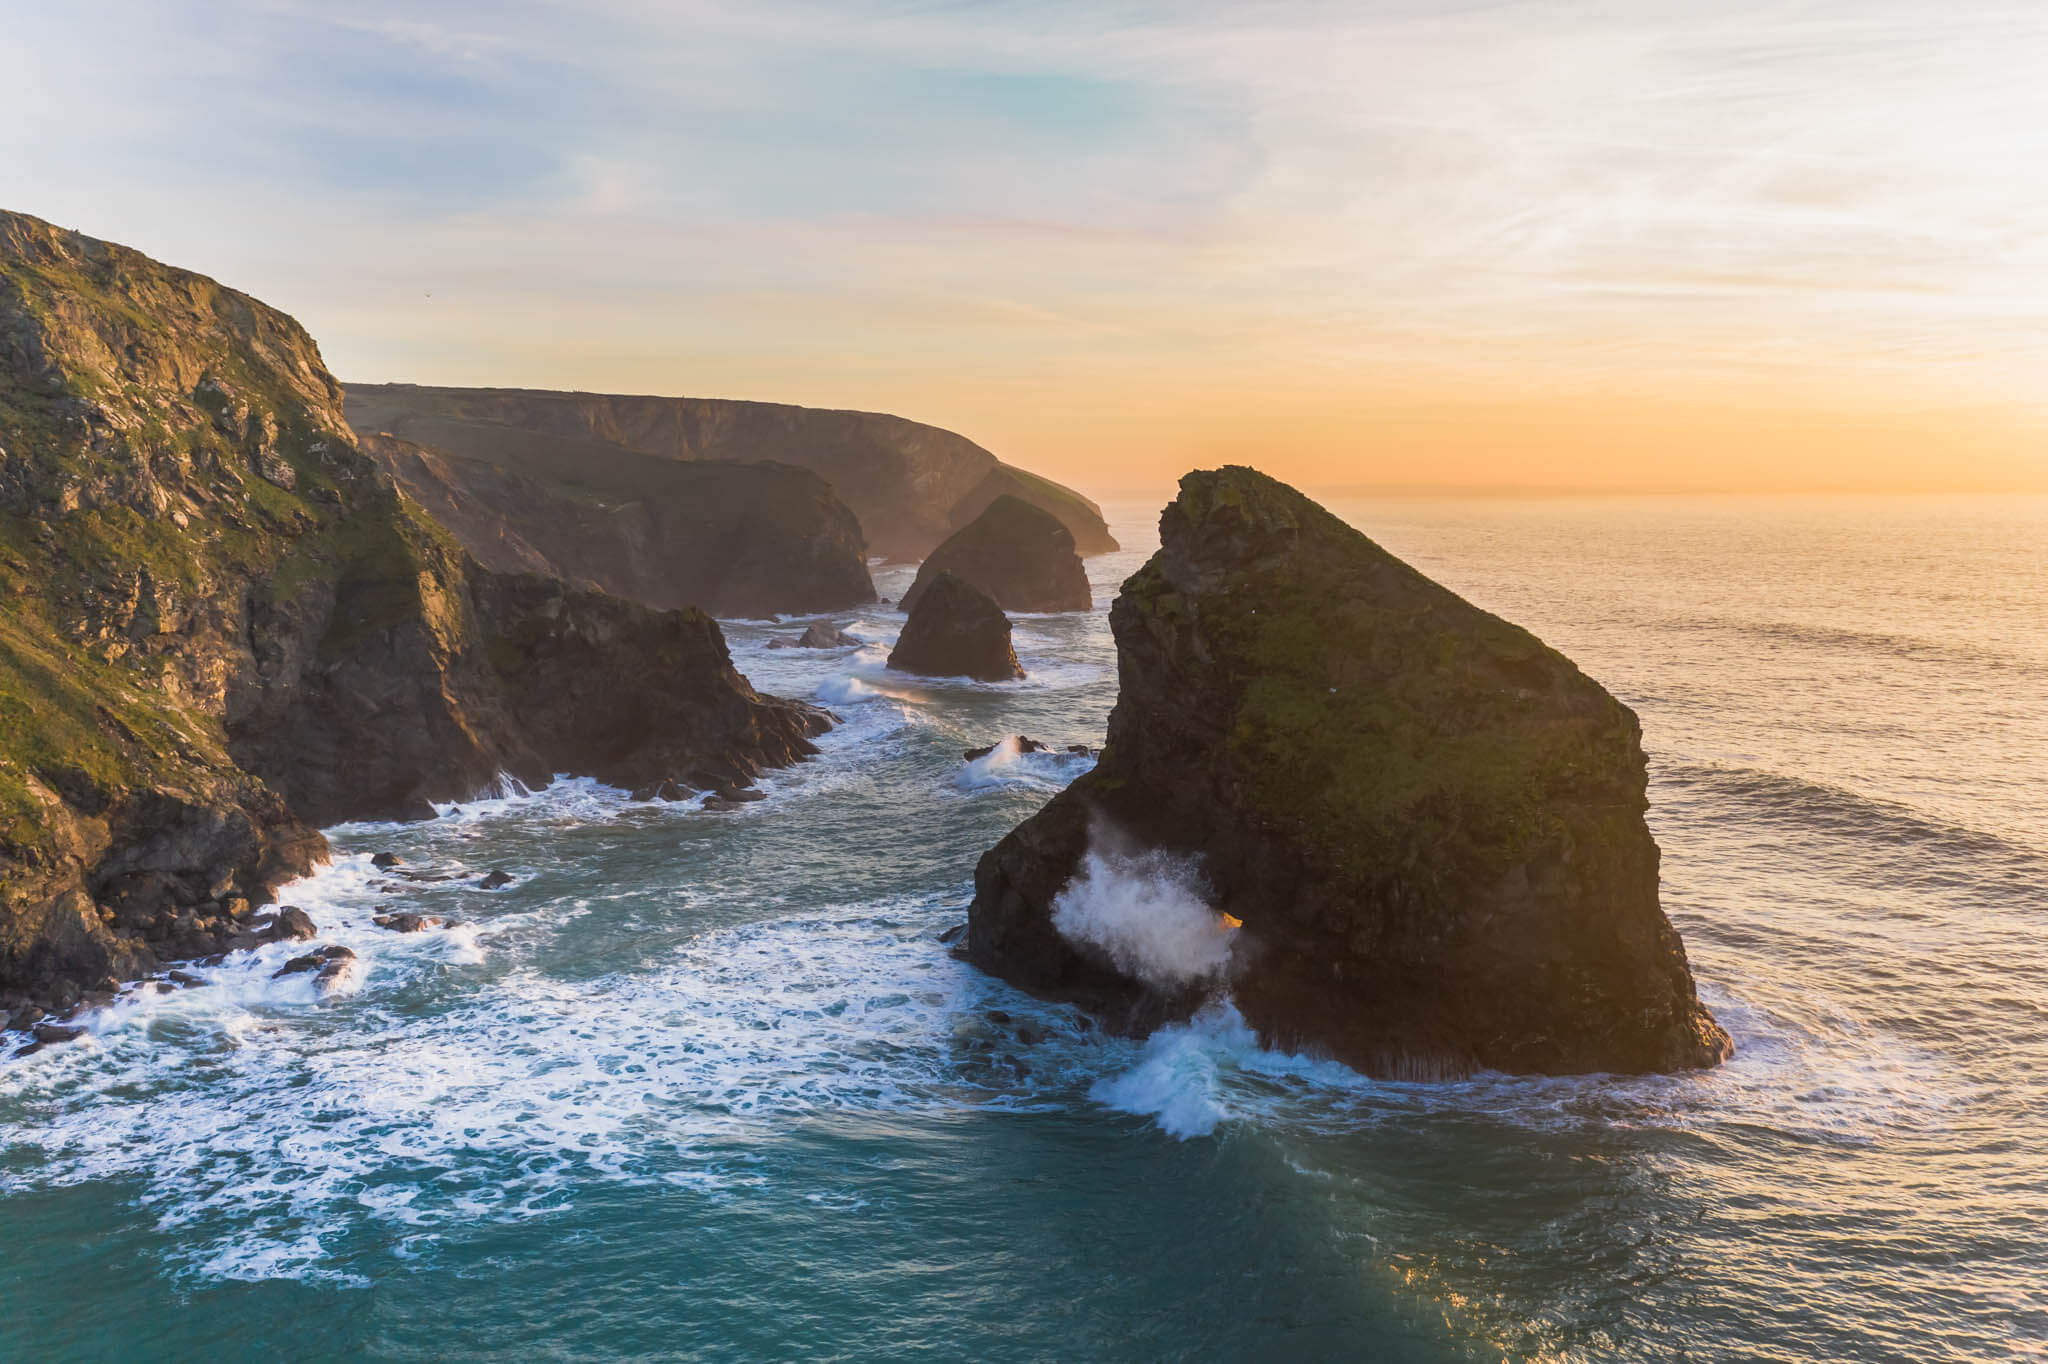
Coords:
1430,824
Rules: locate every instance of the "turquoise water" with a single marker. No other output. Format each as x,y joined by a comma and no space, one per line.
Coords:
707,1086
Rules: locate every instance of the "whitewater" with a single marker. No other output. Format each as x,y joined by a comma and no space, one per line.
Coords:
710,1085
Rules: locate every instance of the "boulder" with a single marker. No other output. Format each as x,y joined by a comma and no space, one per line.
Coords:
497,877
385,861
818,635
293,924
1429,826
1025,744
1019,554
956,631
408,923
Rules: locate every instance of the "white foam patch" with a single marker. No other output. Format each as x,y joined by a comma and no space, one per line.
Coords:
1008,765
258,1105
1148,912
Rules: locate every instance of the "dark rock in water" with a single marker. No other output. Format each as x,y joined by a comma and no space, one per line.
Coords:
667,789
1025,744
956,631
25,1018
819,635
184,979
495,879
293,924
385,861
408,923
50,1034
996,1016
1019,554
953,934
328,962
1081,749
1430,825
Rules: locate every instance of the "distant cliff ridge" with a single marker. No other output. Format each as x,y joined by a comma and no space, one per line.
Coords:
910,484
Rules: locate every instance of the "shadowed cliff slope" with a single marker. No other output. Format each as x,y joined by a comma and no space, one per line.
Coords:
221,623
735,539
1430,825
910,484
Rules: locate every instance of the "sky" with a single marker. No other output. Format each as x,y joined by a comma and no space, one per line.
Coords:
1637,245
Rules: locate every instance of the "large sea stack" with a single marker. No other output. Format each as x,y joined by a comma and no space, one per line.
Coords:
1430,825
910,484
221,624
1018,553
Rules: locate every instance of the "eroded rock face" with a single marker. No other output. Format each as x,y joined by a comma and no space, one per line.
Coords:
221,624
1430,825
1020,555
956,631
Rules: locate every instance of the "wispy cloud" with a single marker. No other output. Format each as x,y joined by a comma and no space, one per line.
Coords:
802,200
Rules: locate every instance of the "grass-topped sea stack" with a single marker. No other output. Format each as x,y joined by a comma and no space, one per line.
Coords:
1430,825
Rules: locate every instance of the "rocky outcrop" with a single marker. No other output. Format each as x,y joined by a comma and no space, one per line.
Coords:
221,624
1017,553
910,484
956,631
1430,826
733,539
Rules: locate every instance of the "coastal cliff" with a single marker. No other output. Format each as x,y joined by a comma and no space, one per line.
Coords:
911,485
222,624
1418,834
734,539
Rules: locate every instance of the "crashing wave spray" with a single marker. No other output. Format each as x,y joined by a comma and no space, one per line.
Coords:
1149,911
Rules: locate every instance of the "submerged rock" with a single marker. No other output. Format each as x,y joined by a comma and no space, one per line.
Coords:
497,877
1017,553
956,631
1430,825
1025,744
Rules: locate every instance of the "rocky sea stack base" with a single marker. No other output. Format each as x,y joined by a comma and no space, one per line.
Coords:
1430,826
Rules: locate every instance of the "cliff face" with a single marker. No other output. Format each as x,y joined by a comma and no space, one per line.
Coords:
911,485
1430,825
734,539
220,623
1016,552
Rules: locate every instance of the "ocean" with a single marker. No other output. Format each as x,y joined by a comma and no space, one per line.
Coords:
707,1086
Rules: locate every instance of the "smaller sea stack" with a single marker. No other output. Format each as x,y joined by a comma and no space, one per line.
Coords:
956,630
1020,554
